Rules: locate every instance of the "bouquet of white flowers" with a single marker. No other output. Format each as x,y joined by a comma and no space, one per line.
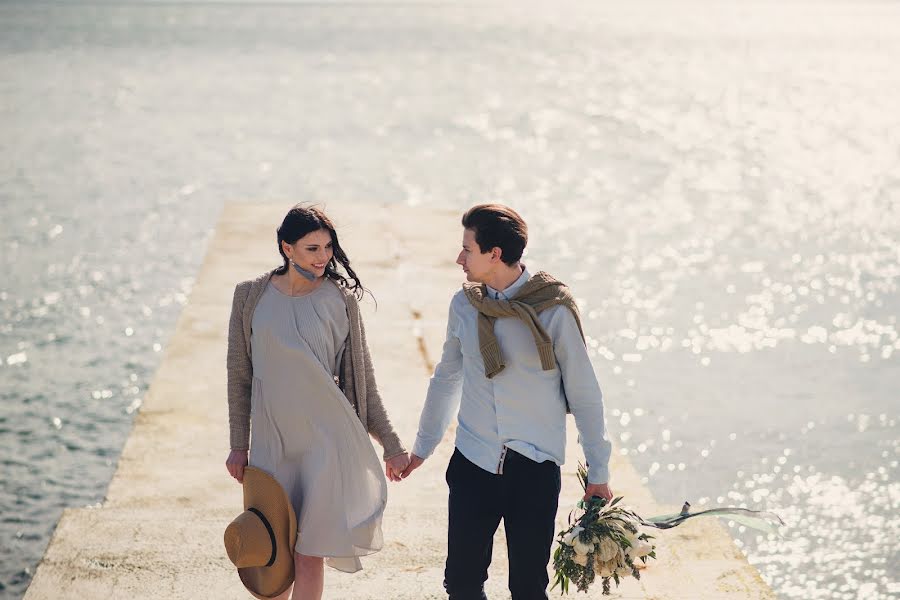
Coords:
605,539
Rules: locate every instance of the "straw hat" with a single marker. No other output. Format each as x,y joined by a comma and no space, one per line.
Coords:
260,541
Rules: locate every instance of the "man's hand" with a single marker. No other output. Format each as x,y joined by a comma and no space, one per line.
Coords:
393,467
414,463
598,489
235,463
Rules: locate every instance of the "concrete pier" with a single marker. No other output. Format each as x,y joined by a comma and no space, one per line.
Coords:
159,532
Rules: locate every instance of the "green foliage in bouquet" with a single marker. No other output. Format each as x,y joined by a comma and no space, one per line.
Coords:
604,541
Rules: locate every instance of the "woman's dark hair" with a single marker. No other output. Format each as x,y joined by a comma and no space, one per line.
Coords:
498,226
301,220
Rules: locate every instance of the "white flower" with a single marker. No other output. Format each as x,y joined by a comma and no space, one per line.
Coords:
637,543
570,537
580,559
582,547
631,537
608,549
623,571
642,548
607,568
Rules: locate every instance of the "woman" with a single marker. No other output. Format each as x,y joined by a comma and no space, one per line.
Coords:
301,385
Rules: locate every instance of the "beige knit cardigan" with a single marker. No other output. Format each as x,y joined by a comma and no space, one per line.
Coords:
357,376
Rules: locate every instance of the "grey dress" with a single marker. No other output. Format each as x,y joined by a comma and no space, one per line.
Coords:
306,433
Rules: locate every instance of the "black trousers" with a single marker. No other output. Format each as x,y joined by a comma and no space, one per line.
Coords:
525,496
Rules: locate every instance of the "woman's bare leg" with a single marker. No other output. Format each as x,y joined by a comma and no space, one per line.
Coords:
309,577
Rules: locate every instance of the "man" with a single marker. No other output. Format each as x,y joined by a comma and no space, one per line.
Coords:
514,360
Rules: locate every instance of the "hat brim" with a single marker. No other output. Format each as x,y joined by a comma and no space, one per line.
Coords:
263,492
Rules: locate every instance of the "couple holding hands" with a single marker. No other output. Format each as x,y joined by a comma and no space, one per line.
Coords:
302,387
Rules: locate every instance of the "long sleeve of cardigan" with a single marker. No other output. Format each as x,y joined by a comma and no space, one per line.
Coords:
240,373
379,424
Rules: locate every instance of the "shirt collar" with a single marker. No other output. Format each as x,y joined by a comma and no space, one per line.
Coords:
511,290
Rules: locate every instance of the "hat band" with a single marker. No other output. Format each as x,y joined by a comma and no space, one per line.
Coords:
271,534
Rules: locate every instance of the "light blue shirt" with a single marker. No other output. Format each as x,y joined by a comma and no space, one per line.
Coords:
523,407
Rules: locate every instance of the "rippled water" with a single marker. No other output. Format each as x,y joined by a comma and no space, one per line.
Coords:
718,182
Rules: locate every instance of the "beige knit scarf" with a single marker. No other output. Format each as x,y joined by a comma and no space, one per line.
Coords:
536,295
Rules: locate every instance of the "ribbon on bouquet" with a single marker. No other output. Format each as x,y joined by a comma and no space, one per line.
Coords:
760,520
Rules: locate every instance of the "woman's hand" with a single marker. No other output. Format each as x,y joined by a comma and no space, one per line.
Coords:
396,465
237,460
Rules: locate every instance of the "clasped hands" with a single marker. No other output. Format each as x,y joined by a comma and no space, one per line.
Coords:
399,467
394,466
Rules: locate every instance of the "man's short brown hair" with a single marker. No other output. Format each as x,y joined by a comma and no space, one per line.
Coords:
498,226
